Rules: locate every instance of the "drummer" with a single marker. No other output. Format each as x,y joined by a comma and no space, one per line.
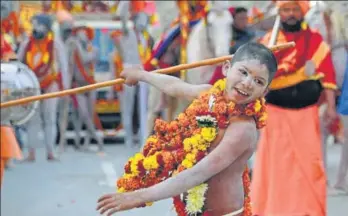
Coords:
9,145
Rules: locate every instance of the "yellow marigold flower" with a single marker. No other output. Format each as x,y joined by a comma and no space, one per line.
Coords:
263,117
202,147
257,106
208,134
134,167
187,164
134,163
127,176
121,190
220,84
199,139
194,142
151,162
191,157
152,139
138,156
181,116
187,144
194,151
231,105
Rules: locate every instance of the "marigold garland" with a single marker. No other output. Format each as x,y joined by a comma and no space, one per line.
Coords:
43,69
178,145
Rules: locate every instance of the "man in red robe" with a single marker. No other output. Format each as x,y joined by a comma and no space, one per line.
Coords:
289,176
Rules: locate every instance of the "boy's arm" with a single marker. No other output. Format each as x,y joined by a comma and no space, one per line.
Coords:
174,86
169,85
237,140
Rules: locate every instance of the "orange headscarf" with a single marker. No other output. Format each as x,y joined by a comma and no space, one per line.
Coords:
303,4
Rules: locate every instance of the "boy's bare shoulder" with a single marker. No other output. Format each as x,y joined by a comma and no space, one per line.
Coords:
242,128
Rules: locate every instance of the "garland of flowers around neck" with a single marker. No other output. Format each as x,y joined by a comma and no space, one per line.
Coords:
43,70
47,46
180,144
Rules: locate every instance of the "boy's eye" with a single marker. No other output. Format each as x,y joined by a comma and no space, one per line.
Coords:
243,72
259,82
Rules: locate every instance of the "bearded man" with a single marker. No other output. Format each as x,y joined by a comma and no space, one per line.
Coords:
289,176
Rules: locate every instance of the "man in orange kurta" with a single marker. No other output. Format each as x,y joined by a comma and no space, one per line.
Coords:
9,146
289,177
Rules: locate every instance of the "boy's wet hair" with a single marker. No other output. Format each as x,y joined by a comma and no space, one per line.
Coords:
257,51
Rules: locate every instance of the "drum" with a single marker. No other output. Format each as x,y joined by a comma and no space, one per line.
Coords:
18,81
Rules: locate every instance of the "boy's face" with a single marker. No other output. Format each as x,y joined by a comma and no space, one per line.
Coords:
246,80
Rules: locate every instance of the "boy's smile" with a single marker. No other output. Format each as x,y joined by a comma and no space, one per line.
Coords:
246,80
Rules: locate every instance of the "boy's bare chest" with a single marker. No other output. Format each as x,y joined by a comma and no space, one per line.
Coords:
226,188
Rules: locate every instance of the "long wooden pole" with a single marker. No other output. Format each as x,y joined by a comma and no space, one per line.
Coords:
275,32
168,70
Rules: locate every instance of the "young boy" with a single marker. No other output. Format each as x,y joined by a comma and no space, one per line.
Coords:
247,77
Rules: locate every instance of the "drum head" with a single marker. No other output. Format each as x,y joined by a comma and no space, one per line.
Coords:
18,81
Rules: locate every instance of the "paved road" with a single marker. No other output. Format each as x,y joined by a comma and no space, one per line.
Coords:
71,187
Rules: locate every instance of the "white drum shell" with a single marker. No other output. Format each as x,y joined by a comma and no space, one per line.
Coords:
18,81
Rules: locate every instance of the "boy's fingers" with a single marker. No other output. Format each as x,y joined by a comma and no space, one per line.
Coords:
108,206
106,196
103,203
114,210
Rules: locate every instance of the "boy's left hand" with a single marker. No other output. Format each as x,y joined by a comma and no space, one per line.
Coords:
116,202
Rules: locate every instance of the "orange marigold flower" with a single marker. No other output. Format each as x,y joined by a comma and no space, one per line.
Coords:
152,174
169,161
220,108
179,155
181,168
174,126
134,183
120,182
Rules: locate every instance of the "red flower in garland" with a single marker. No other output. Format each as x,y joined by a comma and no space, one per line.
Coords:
222,121
127,168
140,166
200,155
179,206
